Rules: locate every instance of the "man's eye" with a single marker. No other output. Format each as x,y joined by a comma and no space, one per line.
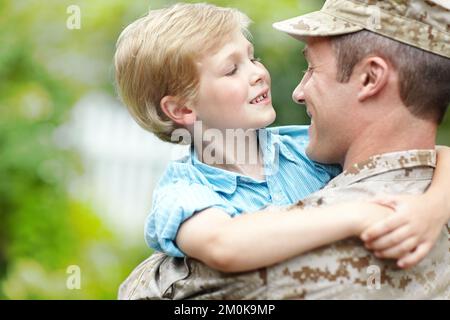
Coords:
233,71
309,70
256,59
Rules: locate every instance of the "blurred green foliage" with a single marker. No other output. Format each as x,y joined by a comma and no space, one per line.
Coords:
44,69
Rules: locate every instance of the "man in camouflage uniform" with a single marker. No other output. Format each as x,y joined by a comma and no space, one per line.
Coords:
345,269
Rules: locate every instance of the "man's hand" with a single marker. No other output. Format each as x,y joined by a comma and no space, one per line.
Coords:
409,234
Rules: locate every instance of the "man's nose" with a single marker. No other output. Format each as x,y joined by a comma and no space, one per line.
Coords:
298,95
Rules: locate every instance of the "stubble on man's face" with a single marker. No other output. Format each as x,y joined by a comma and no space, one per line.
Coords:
326,101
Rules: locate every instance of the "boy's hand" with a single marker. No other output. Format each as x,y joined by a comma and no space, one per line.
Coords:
409,234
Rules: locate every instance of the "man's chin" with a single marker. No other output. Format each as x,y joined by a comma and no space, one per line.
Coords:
310,152
314,154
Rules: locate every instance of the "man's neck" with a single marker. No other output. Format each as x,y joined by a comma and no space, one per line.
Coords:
387,136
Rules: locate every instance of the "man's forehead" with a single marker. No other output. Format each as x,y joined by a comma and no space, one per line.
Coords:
315,46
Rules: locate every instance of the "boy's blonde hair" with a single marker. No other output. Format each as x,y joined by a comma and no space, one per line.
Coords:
156,56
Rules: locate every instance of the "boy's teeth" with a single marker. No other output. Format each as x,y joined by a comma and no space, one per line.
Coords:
259,99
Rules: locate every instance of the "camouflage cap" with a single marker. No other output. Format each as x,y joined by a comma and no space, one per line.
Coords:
420,23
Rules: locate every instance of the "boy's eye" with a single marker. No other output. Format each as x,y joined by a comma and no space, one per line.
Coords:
232,72
235,68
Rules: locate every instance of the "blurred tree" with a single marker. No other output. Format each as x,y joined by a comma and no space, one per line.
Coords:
43,230
33,200
44,69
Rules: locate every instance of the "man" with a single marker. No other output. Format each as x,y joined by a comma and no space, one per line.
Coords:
377,86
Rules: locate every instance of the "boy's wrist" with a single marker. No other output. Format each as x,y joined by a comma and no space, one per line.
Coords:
354,216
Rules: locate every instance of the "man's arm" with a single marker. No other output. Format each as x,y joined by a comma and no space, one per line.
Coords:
440,185
410,233
259,239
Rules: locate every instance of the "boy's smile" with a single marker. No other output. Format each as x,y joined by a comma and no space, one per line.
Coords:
262,98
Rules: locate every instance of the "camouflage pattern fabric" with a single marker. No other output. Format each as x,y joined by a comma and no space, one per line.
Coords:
423,24
342,270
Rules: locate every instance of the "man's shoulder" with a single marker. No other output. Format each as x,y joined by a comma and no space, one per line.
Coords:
388,171
345,267
383,175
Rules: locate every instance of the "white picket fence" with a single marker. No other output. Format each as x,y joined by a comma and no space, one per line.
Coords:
121,162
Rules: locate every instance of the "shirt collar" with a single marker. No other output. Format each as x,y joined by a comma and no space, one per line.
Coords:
220,180
272,146
382,163
226,181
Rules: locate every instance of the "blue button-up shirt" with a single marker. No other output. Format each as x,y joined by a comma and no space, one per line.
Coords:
189,186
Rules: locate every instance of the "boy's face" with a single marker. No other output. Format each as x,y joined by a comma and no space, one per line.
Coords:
234,89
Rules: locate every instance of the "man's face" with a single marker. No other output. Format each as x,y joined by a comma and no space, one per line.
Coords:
328,102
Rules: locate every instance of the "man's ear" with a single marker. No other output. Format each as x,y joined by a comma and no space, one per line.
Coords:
177,111
373,77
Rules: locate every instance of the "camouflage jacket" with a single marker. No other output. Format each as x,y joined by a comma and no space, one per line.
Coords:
342,270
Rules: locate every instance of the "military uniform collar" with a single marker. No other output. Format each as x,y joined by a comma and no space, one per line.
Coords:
382,163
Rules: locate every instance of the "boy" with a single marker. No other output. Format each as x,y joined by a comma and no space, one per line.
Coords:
191,64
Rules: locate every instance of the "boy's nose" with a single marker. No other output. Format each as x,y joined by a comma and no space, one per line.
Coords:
258,75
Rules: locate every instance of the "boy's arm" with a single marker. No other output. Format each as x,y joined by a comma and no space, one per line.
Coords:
259,239
410,233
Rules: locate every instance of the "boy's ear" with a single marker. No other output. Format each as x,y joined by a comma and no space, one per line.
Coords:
177,111
373,77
